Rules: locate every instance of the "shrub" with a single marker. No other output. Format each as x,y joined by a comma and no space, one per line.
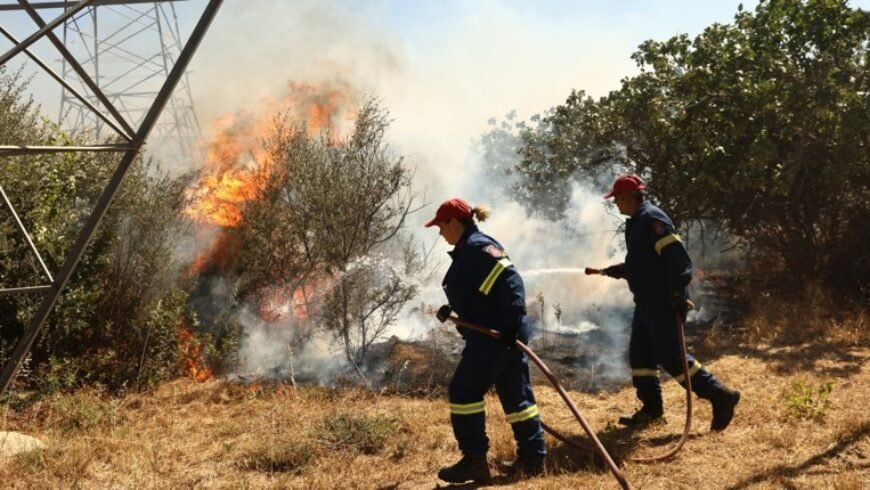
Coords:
364,434
82,411
290,457
808,402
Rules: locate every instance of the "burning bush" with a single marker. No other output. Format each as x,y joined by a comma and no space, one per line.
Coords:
314,240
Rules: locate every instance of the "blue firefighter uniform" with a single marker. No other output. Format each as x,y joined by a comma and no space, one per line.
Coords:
483,287
657,266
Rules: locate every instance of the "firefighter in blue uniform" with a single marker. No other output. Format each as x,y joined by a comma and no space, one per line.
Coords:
658,270
483,287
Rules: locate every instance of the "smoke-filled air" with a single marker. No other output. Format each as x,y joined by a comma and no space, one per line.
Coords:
442,148
403,244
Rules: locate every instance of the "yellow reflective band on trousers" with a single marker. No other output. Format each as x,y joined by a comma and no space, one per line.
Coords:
665,241
641,373
496,271
467,409
522,415
693,369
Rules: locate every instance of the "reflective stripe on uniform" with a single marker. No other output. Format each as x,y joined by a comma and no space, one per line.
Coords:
640,373
467,408
665,241
523,415
496,271
693,369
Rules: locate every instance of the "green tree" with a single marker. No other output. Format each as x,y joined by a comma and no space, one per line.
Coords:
759,126
117,319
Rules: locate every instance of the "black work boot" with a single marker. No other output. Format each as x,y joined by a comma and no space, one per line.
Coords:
642,418
723,402
470,467
524,466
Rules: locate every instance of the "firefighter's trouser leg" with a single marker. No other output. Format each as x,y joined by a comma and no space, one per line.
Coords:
518,401
644,368
467,409
483,365
662,325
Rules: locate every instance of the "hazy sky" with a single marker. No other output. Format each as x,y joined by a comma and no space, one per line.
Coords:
442,68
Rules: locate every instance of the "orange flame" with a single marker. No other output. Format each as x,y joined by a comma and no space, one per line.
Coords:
215,258
235,161
191,358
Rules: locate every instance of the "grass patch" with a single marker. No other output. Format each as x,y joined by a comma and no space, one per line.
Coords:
291,457
794,316
805,401
82,411
364,434
51,462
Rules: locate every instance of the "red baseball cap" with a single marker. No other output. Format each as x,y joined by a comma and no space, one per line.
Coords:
626,183
449,209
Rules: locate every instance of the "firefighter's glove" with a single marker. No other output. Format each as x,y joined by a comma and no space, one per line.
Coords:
443,313
679,303
509,338
614,271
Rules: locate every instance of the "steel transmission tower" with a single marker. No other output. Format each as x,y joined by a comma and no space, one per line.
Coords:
128,49
127,125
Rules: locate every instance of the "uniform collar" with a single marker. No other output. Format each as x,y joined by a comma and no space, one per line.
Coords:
464,238
640,209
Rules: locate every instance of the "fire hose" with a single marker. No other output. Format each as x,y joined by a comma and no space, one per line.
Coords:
599,448
681,335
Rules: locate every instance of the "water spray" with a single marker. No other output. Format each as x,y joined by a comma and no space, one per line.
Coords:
561,270
598,447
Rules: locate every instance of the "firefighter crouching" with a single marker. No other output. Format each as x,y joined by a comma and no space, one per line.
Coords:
658,270
483,287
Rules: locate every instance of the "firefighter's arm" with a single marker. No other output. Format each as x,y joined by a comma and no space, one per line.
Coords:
616,271
503,282
678,265
512,304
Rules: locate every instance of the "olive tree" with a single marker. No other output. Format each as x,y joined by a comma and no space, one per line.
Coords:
330,218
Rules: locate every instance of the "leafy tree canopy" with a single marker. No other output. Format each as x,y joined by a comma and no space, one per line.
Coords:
761,126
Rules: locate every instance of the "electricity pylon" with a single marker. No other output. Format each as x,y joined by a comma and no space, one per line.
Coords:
128,49
127,138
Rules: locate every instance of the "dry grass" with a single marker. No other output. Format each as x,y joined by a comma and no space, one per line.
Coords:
220,435
794,316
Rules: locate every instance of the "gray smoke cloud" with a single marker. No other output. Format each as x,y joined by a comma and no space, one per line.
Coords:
277,350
